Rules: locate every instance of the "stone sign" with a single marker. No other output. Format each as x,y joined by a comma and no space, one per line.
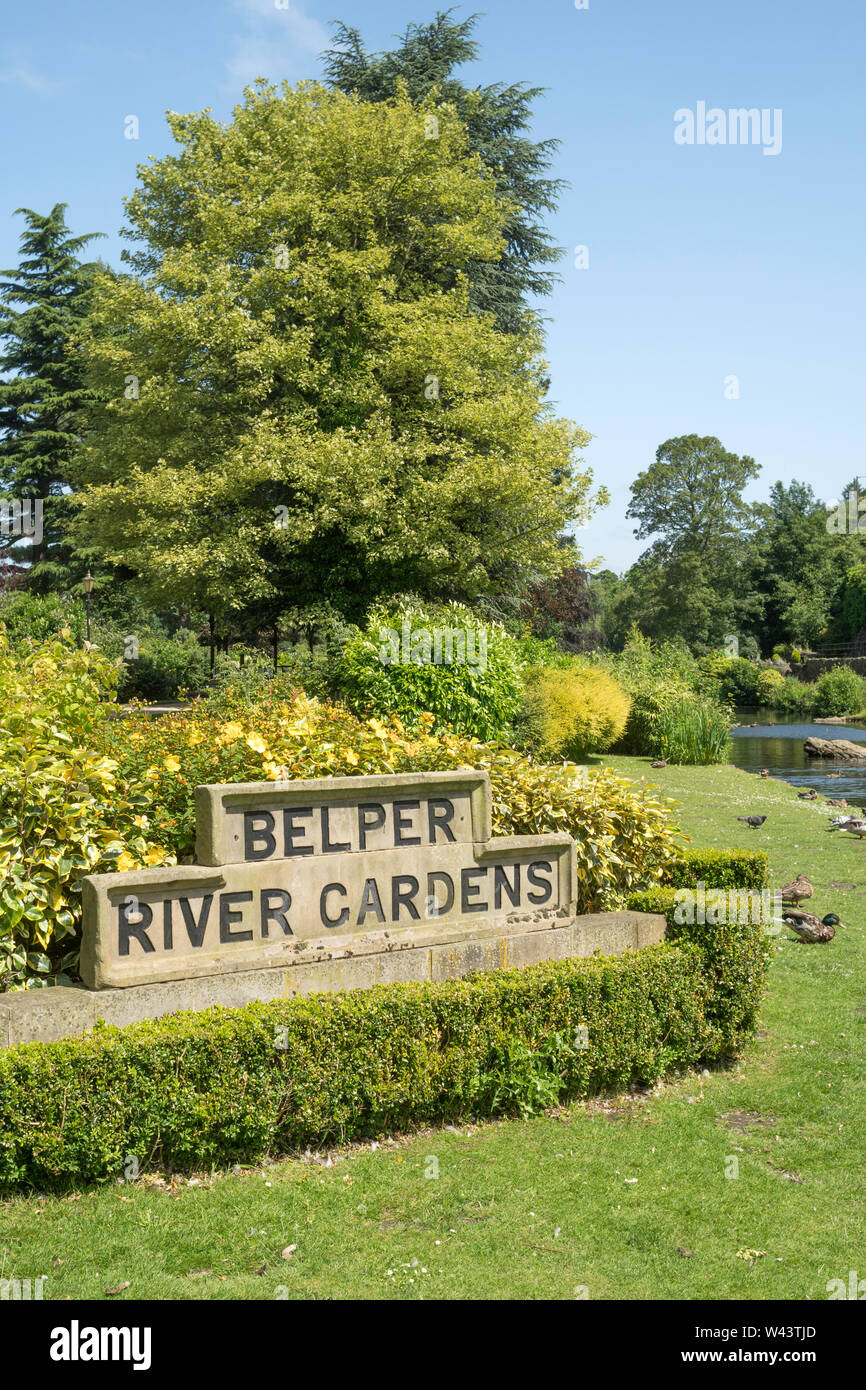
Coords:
290,873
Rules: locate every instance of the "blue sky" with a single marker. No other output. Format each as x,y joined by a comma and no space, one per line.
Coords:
705,261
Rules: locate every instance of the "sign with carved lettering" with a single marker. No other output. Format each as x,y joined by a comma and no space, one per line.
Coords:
289,873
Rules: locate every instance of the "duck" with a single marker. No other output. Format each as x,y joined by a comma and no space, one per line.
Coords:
855,827
831,801
765,772
809,928
659,762
754,821
797,890
834,774
810,795
842,822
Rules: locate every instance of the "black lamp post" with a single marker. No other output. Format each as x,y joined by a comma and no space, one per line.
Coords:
88,590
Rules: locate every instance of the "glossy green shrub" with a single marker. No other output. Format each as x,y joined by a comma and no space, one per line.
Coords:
839,691
413,659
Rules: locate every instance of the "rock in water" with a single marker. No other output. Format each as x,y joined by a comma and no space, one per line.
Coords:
835,748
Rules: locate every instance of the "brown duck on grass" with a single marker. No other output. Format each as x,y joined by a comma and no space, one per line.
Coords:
797,890
809,928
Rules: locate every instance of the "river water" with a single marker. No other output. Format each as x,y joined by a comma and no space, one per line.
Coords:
777,743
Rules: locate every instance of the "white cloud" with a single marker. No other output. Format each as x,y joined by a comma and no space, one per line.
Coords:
275,42
17,71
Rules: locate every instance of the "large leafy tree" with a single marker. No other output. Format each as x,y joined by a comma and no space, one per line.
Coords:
497,118
303,406
797,567
41,401
694,582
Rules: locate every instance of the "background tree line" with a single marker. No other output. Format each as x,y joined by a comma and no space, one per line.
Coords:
318,383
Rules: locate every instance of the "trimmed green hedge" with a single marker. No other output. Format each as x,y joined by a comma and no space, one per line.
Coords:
735,960
719,868
202,1090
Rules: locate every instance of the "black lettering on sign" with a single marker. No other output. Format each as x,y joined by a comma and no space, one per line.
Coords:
403,889
138,929
440,814
401,824
547,888
468,890
327,847
365,810
167,933
228,916
500,881
195,930
370,901
292,832
344,913
435,908
277,912
259,842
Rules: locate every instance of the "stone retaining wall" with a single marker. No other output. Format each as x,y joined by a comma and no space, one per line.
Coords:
811,669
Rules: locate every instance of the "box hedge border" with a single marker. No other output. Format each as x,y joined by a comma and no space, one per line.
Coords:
208,1089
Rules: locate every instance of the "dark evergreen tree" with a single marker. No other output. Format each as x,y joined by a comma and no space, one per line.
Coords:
41,400
497,118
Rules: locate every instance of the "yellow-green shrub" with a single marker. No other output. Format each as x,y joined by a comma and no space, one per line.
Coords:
572,711
767,686
64,812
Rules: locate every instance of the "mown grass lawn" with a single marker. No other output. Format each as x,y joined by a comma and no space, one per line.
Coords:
628,1198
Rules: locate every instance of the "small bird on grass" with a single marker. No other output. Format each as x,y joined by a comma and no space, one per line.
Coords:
754,821
809,928
659,762
810,795
797,890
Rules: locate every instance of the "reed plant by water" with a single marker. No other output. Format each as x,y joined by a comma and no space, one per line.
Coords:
693,731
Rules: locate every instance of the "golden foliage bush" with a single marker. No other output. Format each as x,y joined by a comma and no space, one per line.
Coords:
572,711
64,810
624,835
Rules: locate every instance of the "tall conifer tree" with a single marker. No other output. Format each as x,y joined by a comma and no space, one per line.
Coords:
496,118
43,395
